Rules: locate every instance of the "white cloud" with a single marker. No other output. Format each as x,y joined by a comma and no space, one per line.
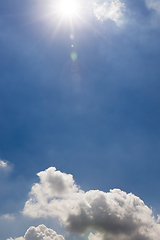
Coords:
116,214
39,233
109,9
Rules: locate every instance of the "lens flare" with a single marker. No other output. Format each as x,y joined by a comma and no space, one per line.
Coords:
74,56
71,36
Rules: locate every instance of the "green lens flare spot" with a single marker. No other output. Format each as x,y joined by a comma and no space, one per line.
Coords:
74,56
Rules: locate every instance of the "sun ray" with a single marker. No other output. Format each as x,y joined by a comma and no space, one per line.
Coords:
58,26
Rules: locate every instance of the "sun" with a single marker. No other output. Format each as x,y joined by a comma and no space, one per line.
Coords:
68,8
67,13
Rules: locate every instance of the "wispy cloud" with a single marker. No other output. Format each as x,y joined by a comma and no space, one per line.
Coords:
3,164
39,233
153,4
114,214
8,217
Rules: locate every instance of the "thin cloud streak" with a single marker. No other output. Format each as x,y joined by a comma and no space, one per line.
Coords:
116,214
8,217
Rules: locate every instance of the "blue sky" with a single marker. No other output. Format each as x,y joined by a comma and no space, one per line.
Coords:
79,93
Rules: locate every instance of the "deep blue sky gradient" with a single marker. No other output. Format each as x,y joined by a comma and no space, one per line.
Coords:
105,129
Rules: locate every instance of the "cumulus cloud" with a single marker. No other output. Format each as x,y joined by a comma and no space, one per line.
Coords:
39,233
109,9
112,215
52,192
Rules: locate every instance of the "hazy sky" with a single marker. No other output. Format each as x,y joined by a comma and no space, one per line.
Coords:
79,119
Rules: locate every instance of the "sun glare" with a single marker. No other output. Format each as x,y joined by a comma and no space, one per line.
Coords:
68,8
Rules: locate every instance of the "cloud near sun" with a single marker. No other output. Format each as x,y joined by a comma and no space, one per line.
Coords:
108,9
115,9
112,215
